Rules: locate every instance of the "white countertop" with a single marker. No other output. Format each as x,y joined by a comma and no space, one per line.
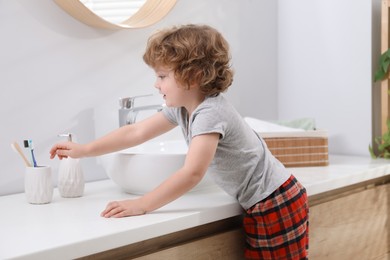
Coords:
71,228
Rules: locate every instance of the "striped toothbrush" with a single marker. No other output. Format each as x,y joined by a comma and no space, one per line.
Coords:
29,144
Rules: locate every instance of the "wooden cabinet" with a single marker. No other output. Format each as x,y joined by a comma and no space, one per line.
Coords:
227,246
218,240
353,224
348,223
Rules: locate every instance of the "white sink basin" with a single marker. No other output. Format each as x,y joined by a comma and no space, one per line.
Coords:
140,169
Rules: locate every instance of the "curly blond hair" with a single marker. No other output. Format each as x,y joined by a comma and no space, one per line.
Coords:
198,54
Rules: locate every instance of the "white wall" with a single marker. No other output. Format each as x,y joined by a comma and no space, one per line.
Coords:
293,59
324,68
58,75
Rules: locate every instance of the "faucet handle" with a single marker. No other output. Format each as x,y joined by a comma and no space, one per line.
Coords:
128,102
69,136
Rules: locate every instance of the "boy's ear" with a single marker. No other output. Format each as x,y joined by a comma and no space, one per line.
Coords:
195,81
193,85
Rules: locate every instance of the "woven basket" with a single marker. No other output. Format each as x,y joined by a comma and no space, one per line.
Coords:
299,149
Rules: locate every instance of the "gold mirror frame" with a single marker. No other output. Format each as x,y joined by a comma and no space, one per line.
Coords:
151,12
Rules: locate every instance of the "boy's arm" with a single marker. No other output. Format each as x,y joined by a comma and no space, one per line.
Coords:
131,135
121,138
200,154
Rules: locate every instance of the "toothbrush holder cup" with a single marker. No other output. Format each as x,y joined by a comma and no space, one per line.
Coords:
38,184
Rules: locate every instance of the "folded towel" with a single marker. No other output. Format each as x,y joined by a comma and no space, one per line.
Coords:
303,123
261,126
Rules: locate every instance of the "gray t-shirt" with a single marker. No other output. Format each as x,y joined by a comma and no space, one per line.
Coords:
242,166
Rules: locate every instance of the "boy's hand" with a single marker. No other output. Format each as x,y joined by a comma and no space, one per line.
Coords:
124,208
66,149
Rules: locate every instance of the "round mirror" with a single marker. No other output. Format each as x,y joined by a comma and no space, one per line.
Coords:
117,14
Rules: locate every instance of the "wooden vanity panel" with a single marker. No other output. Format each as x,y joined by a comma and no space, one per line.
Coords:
354,226
227,246
220,236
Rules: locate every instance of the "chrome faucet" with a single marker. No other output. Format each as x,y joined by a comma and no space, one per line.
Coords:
128,113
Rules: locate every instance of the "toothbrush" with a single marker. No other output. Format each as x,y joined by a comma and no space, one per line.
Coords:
17,149
29,144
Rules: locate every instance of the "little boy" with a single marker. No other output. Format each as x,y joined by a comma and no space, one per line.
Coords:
192,65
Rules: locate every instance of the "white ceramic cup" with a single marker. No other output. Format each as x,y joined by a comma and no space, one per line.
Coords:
38,185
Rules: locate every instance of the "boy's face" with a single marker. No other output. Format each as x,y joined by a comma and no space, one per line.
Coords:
173,93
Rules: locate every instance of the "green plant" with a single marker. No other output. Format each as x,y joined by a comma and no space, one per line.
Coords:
383,141
383,70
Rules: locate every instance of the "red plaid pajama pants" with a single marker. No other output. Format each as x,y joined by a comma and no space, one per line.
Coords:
278,226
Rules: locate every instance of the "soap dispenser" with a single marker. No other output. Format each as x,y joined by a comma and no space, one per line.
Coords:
70,175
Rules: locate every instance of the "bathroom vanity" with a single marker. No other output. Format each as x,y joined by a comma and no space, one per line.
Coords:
349,219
